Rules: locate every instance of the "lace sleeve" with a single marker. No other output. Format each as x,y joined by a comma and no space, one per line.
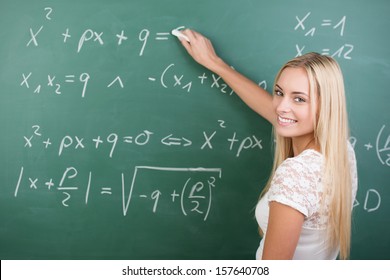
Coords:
353,166
295,185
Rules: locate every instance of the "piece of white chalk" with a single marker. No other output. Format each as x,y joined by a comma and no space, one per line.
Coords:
178,34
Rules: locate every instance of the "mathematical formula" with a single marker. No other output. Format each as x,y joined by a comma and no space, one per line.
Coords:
193,196
168,78
336,27
96,37
234,143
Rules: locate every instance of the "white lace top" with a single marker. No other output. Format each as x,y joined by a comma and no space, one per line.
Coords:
297,183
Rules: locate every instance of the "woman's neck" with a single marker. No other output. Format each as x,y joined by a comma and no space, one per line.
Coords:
300,145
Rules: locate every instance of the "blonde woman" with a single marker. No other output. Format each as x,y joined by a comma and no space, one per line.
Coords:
304,211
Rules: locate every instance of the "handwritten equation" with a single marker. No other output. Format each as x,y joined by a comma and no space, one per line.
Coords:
193,196
95,37
335,27
80,143
54,84
168,78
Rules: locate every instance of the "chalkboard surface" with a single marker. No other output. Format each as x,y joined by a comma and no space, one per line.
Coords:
116,145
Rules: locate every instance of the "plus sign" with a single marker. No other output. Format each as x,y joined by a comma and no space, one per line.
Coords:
368,146
47,142
202,78
121,37
97,141
174,195
66,35
49,184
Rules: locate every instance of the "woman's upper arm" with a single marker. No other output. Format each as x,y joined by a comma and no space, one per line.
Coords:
283,231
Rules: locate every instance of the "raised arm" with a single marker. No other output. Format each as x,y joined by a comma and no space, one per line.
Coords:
202,51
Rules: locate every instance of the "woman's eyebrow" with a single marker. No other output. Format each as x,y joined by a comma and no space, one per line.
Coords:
300,92
294,92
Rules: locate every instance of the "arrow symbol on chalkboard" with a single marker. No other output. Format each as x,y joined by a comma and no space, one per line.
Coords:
187,142
169,141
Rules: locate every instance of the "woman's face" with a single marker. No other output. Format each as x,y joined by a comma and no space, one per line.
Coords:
291,101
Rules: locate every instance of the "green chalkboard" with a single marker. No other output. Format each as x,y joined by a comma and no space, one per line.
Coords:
116,145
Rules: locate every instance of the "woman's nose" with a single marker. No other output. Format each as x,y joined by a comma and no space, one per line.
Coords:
284,106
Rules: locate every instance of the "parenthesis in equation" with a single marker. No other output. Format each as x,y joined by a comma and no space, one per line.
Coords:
377,144
182,197
163,75
210,184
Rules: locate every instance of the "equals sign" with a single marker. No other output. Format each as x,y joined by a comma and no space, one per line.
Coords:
106,191
128,139
162,35
69,78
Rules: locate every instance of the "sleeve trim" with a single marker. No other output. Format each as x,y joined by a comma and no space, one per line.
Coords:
291,204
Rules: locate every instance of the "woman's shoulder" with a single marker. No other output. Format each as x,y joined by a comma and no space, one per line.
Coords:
302,170
307,161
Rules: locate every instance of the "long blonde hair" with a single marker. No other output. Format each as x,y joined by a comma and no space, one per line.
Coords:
331,133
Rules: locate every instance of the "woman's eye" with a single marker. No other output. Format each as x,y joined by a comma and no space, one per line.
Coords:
278,93
300,100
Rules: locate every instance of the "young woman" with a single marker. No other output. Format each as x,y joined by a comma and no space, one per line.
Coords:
304,211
